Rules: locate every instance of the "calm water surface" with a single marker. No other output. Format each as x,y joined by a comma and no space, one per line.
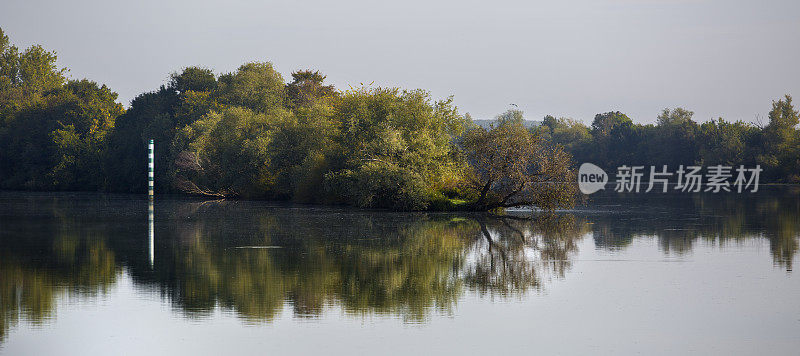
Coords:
647,273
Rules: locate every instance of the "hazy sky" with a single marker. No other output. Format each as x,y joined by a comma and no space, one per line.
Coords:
571,58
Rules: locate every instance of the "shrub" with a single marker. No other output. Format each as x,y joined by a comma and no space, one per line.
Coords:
379,185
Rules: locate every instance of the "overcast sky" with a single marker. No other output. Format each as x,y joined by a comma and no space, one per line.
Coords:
572,58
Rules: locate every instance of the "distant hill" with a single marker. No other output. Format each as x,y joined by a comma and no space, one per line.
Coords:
486,122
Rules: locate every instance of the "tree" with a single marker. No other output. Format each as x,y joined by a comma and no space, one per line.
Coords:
300,149
193,79
27,75
57,142
306,87
616,140
726,143
150,116
674,117
256,86
230,155
81,142
24,79
781,142
673,141
605,124
509,166
571,134
393,133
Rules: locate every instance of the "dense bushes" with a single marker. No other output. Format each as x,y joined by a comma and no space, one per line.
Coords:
380,185
230,151
399,139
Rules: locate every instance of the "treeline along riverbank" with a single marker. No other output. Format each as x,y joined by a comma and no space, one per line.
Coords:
250,134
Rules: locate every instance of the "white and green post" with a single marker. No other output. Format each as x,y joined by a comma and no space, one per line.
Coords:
150,168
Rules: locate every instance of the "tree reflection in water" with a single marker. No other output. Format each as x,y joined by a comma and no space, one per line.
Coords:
385,263
678,221
257,259
47,254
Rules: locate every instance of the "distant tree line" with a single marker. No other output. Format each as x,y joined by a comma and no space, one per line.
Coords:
250,134
675,139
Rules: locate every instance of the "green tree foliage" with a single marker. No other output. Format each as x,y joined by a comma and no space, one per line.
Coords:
380,185
52,131
616,139
510,166
571,134
232,152
306,88
300,149
57,142
247,133
673,141
781,142
182,118
727,143
150,115
27,75
388,134
676,139
80,144
195,79
256,86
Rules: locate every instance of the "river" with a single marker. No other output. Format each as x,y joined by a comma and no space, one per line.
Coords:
85,273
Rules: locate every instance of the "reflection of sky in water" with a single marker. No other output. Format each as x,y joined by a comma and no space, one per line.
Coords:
675,274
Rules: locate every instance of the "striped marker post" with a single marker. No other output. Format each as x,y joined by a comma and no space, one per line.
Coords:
150,168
